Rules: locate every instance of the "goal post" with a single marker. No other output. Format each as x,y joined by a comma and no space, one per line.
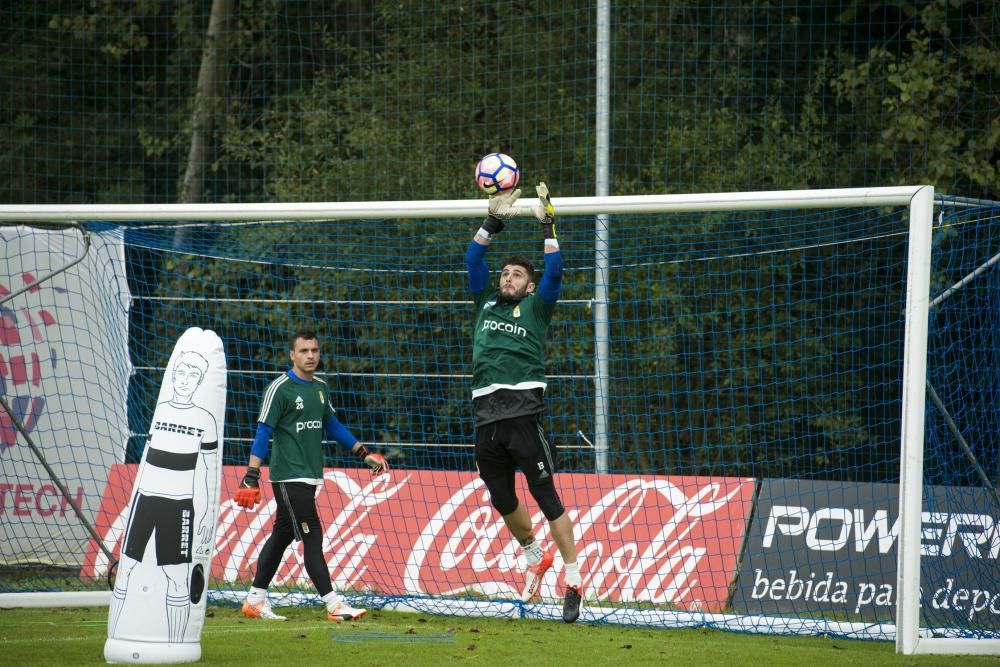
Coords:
912,441
464,208
737,395
920,510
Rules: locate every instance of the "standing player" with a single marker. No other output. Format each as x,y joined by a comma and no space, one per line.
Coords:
508,385
295,412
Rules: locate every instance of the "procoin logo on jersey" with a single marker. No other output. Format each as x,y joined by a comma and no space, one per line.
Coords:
314,424
504,327
299,403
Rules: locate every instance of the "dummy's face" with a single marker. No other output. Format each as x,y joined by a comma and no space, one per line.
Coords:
186,379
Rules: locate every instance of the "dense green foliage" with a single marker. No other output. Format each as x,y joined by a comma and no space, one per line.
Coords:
322,99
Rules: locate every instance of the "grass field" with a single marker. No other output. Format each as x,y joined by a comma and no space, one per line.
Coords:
76,637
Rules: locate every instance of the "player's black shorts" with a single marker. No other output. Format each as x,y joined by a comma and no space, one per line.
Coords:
508,444
173,522
296,513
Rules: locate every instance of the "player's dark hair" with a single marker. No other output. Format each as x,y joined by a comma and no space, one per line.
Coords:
304,334
522,261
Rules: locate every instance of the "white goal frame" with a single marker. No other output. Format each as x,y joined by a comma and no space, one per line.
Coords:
919,199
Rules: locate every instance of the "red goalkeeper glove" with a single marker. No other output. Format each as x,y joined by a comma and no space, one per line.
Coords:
248,495
376,462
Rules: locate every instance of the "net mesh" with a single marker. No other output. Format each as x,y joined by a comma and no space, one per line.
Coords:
761,346
753,357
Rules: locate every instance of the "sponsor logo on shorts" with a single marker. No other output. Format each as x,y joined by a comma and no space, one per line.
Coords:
185,545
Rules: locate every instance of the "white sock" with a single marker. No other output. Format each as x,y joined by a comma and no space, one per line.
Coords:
573,574
332,599
257,594
533,552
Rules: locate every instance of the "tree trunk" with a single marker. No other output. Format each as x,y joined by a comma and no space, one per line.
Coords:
210,93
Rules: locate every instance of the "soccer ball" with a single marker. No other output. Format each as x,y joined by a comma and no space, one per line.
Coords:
497,173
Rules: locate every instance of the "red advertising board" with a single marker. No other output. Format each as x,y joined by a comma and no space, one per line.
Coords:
653,539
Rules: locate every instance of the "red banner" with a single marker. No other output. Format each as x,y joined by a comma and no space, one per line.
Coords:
653,539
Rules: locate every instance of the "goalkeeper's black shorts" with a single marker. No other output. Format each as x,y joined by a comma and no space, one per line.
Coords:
296,512
519,442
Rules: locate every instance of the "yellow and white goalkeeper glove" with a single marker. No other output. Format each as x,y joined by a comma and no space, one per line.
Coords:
501,208
544,211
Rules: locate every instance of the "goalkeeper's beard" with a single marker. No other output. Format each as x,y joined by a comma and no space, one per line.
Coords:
513,296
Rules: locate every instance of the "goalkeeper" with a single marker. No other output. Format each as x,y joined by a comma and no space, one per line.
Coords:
295,411
508,386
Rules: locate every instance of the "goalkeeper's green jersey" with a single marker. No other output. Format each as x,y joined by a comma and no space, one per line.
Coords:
507,356
295,409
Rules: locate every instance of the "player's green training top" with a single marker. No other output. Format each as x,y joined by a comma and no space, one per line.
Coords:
295,409
508,375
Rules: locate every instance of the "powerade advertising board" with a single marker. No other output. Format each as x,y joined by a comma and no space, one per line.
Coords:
831,547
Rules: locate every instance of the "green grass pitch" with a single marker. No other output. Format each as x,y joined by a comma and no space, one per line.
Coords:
75,636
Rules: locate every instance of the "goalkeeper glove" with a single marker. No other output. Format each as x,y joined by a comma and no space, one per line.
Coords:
544,211
501,208
248,495
376,462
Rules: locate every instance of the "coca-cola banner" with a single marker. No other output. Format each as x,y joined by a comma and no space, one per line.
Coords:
654,539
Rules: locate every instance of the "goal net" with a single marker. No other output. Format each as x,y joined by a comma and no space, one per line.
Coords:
736,393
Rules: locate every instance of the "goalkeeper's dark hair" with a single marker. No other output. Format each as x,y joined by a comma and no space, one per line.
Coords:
522,261
304,334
